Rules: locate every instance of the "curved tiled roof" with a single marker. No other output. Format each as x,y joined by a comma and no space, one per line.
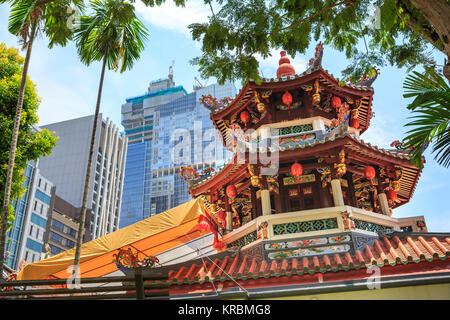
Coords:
309,71
384,252
301,145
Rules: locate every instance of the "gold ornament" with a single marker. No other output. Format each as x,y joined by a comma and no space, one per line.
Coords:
396,185
341,168
254,179
316,95
259,105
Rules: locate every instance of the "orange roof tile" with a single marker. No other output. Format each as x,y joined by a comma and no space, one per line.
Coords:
387,252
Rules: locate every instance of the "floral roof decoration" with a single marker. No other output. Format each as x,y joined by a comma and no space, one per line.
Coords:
368,79
192,176
212,104
316,62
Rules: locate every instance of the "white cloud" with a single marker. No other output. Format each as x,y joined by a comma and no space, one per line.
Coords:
268,66
171,17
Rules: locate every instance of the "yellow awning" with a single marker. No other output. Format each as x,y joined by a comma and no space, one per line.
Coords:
150,236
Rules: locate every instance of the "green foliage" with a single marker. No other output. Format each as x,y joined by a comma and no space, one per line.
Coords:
431,116
112,31
31,143
54,19
241,29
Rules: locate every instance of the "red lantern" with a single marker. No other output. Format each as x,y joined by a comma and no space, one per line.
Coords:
231,192
391,195
203,224
297,171
335,102
245,117
354,123
369,173
221,217
217,244
287,98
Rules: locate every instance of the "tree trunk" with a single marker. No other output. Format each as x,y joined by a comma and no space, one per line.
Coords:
437,12
88,174
12,151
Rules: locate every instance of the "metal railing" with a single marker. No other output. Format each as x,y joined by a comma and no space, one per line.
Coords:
139,284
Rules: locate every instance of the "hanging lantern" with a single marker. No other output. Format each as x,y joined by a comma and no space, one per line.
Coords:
231,192
203,225
354,123
245,117
369,173
217,244
391,195
222,218
335,102
297,171
287,98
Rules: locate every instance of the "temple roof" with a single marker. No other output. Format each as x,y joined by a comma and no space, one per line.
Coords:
350,142
425,250
288,80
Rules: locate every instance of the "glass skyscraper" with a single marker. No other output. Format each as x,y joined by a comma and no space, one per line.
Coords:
157,124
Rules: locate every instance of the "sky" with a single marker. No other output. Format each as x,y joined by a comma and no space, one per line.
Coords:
68,90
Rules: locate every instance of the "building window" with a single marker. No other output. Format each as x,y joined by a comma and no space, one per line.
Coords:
57,225
70,243
56,237
71,232
55,250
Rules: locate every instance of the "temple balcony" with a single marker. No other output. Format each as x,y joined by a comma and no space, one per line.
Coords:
318,223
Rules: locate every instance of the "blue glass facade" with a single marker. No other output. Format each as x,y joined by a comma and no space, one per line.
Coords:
151,183
133,187
15,233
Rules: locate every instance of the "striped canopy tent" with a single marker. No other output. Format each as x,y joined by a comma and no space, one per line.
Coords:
151,236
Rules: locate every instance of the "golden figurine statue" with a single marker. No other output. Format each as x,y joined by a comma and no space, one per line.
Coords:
341,168
316,95
254,178
259,105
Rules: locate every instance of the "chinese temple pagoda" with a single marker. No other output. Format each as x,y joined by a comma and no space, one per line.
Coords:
304,209
328,204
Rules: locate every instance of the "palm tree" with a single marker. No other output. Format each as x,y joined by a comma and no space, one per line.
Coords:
27,19
114,35
431,119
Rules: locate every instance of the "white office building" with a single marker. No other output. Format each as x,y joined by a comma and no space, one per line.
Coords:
66,168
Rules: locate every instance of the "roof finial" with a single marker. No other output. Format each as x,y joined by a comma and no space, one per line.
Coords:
285,68
316,62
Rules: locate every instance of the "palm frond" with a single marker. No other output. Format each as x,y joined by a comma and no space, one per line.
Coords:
19,23
113,30
431,116
428,89
51,18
